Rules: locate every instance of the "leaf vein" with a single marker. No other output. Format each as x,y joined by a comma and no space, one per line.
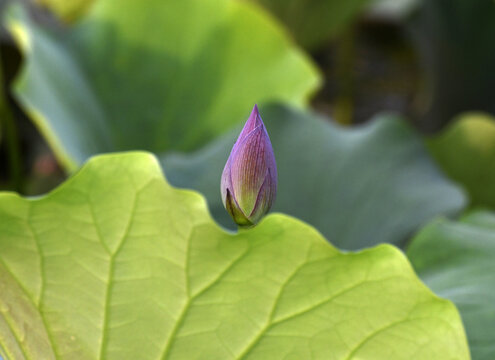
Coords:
190,300
269,321
14,333
110,283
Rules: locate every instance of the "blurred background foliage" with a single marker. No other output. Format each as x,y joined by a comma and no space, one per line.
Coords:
178,78
455,41
67,10
466,152
427,60
136,84
313,23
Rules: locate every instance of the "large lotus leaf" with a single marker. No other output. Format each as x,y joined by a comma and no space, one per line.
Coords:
312,22
163,75
456,259
360,186
117,264
466,152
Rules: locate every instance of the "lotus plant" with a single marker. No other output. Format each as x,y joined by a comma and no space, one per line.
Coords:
249,179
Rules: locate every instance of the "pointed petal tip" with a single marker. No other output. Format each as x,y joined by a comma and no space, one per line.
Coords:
252,123
259,121
255,114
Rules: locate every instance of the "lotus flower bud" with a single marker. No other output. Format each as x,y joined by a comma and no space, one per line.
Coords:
249,179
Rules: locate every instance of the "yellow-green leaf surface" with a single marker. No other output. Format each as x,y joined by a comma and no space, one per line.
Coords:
466,152
456,259
117,264
155,75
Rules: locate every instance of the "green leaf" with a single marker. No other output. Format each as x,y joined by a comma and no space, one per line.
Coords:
466,152
359,186
312,22
168,75
117,264
455,259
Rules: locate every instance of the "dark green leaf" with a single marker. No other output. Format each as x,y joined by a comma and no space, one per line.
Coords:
456,260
